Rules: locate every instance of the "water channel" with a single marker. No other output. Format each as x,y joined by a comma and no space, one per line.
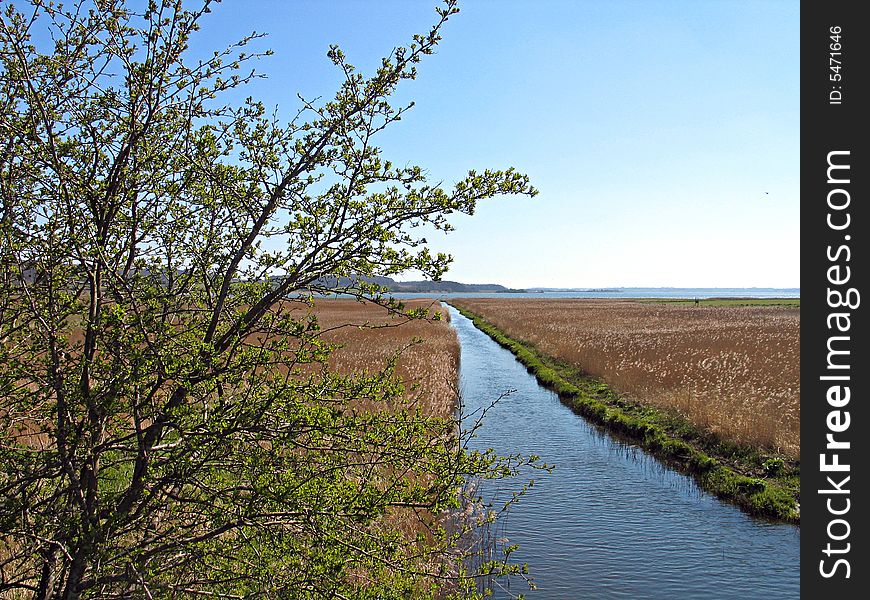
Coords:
610,521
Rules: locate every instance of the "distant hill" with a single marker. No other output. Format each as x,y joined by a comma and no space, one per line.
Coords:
422,287
448,286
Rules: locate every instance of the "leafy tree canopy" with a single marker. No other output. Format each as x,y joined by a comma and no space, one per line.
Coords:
162,431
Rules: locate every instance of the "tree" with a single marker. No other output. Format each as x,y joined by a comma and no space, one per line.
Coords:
161,434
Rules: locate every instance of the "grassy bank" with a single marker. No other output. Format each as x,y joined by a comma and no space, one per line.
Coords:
762,484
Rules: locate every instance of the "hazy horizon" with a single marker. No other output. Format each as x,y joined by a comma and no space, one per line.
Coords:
598,287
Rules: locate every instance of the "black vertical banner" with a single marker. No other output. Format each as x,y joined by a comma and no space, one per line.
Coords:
835,301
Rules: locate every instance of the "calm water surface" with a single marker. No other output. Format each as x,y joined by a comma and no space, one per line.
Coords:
611,522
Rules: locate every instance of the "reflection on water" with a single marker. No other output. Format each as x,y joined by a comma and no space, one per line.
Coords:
611,522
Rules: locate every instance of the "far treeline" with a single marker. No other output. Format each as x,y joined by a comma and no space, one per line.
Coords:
418,287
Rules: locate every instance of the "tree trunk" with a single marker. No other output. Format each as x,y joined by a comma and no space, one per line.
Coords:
76,574
47,580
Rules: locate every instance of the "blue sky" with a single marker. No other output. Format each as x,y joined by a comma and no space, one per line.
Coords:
663,136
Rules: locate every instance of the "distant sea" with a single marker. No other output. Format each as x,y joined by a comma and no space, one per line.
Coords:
628,292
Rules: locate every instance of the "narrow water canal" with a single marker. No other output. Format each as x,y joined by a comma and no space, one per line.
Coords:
611,522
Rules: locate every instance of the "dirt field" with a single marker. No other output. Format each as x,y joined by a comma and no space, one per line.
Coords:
734,370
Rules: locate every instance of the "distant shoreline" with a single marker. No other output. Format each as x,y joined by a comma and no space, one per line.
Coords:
673,294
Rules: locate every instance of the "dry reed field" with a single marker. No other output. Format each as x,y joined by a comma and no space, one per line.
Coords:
428,365
733,370
369,336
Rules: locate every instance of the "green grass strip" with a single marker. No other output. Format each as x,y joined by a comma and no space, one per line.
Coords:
762,484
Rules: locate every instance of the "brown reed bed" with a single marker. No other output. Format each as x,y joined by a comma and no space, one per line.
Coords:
733,371
427,362
369,336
